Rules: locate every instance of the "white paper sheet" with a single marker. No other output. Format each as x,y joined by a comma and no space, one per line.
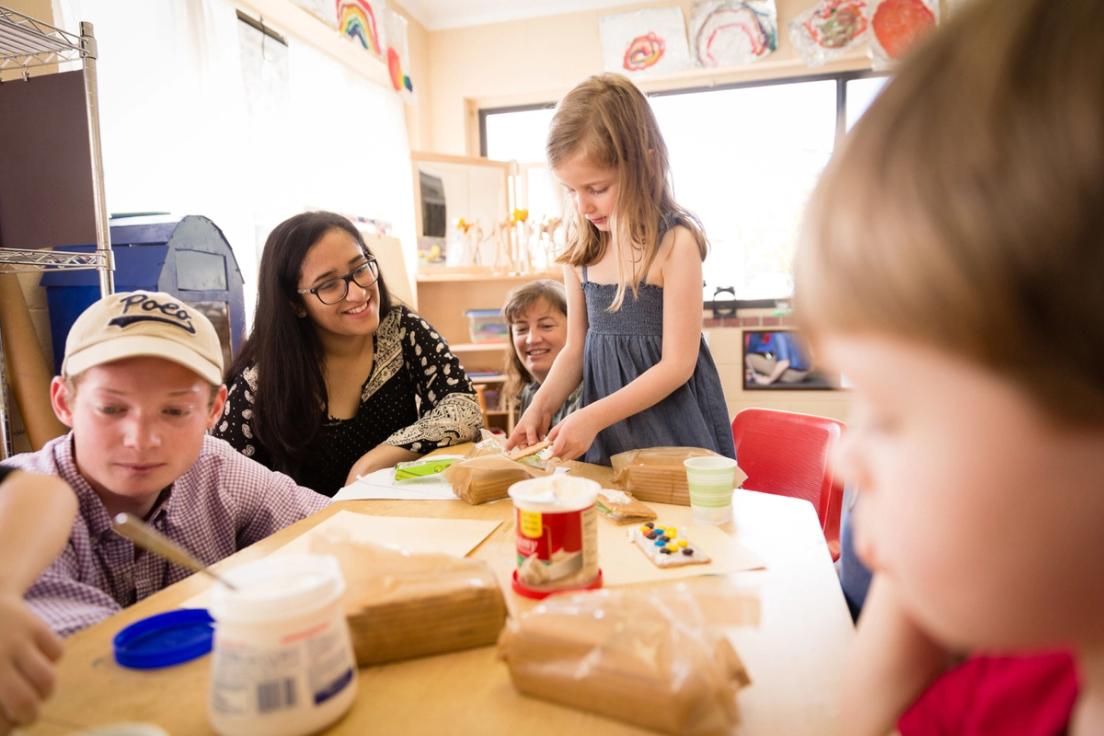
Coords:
381,485
455,537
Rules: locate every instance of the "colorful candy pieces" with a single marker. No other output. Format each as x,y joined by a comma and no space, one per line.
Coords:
664,547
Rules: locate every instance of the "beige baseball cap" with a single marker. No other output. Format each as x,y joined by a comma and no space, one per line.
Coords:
141,323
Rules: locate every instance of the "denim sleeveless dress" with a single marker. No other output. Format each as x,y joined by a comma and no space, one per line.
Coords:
623,344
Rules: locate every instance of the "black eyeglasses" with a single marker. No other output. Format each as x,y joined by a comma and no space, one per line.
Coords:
336,289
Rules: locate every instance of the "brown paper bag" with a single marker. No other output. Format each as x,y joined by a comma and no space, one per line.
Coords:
488,477
646,659
402,605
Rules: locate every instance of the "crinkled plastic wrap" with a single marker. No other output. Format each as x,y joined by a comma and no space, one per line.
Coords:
827,29
656,661
656,474
401,605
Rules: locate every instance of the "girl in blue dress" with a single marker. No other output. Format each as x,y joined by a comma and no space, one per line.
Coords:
633,273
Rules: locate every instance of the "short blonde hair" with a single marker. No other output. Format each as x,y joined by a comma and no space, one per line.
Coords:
966,210
609,121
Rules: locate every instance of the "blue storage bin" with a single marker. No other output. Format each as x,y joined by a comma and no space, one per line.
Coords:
188,258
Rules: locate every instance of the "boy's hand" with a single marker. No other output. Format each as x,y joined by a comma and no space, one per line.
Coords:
531,428
28,650
573,436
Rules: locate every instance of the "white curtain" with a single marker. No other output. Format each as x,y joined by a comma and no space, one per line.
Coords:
191,125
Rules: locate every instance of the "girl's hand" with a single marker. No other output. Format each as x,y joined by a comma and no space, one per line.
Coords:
572,437
531,428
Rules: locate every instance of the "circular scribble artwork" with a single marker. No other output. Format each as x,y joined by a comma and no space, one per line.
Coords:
732,33
643,52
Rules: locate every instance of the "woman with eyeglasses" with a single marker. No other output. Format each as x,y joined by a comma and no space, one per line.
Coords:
336,380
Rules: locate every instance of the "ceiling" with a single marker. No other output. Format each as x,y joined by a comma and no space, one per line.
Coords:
439,14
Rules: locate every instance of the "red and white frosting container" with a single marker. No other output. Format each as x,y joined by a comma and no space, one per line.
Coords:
556,530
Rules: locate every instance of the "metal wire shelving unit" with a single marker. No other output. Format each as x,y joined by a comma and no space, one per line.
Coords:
26,43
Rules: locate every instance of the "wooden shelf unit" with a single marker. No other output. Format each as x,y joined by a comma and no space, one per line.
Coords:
444,295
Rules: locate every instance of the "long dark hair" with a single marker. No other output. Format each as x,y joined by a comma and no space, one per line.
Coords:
285,348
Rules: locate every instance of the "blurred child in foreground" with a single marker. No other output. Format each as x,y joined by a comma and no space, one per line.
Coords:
960,229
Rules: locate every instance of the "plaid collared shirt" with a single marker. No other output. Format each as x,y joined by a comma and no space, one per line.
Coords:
223,503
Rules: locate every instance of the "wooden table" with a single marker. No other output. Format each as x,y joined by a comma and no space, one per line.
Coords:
793,656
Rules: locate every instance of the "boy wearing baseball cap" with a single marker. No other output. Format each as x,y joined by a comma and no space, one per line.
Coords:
140,385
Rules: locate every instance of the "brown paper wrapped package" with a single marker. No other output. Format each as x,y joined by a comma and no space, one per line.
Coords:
402,605
488,477
656,474
635,656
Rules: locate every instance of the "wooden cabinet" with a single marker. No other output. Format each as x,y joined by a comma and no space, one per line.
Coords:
443,298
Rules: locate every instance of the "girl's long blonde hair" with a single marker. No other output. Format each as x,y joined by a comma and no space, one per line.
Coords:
607,119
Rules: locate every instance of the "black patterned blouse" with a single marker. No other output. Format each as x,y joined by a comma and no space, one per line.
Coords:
417,397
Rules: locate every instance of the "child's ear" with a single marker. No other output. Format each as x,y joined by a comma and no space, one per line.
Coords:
62,394
217,402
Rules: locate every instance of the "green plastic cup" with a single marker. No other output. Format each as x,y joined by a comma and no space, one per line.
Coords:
711,479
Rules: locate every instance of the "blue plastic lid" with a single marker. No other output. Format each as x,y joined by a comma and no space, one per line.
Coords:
165,639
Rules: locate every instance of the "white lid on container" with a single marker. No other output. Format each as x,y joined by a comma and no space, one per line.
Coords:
554,493
277,588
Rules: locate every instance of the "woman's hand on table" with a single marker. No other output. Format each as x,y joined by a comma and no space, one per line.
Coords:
28,650
378,458
572,437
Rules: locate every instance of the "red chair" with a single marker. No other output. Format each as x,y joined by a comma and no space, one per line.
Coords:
787,453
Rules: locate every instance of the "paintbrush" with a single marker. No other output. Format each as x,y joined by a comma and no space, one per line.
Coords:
148,538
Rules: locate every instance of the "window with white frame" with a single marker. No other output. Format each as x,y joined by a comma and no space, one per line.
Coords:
202,114
744,159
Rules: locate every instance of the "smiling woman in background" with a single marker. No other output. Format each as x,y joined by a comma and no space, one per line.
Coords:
537,316
336,381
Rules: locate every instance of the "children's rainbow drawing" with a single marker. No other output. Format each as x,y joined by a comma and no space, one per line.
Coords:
396,56
400,80
357,20
733,32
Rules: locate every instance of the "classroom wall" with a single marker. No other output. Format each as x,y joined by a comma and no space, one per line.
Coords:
418,119
42,10
538,60
726,338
